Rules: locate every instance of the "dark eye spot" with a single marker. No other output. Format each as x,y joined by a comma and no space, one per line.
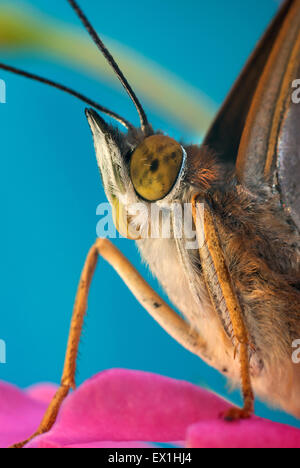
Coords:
154,165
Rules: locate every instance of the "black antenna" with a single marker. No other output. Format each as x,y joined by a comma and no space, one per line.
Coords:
80,96
88,26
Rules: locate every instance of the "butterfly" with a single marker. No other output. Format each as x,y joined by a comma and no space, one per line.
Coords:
238,286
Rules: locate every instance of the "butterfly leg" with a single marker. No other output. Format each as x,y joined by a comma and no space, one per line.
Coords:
68,377
149,299
208,225
235,413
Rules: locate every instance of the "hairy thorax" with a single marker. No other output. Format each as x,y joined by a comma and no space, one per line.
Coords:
189,296
262,254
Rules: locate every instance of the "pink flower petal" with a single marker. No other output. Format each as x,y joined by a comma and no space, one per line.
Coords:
121,405
250,433
120,408
20,415
42,392
93,445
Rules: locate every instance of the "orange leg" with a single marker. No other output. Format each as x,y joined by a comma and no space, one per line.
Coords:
248,396
149,299
210,228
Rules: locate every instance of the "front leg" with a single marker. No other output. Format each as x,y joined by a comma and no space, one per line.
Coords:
209,228
248,409
68,376
149,299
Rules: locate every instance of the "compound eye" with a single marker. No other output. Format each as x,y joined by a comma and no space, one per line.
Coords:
155,166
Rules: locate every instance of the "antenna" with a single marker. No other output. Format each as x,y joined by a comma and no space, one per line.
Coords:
67,90
145,126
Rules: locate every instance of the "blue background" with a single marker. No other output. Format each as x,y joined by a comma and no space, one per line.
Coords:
50,187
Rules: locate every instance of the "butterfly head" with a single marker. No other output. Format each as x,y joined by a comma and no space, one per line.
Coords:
147,169
136,168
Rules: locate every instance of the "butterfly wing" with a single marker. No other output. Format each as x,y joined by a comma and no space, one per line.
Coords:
225,133
270,144
259,123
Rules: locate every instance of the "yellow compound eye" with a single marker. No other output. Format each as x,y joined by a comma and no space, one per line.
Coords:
155,166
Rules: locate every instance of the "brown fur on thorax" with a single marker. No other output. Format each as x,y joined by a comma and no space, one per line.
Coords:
203,168
262,252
